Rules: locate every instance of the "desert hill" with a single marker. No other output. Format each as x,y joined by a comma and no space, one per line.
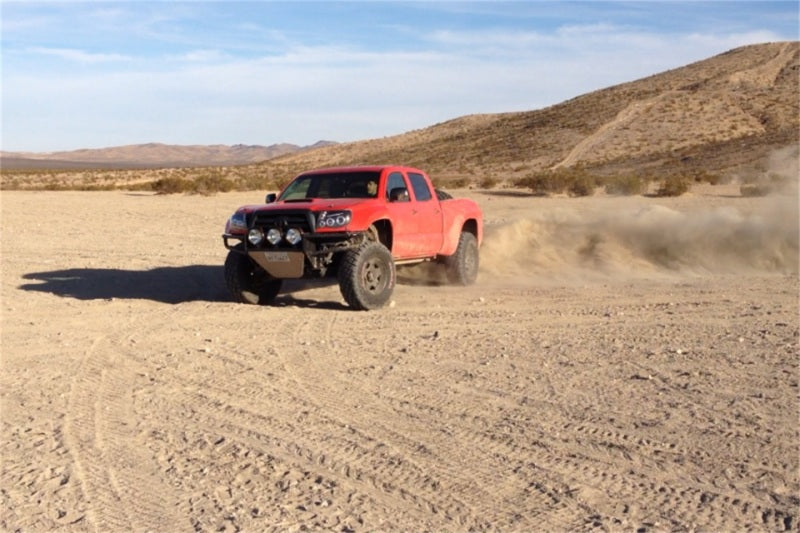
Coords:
152,155
714,115
726,115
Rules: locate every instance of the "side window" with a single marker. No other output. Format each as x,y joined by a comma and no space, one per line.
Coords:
420,185
394,181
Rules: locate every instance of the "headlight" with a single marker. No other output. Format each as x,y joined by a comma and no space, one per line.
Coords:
255,236
274,236
293,236
334,219
236,224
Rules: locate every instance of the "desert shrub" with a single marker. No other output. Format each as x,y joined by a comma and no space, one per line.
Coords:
673,186
754,189
140,186
211,183
96,187
559,179
256,182
488,182
460,183
537,182
575,181
9,184
542,183
627,184
170,185
582,185
709,177
53,184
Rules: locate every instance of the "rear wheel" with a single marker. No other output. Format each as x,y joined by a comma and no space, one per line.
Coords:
247,282
367,276
462,266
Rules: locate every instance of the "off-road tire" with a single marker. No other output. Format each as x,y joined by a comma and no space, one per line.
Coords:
367,276
247,282
462,266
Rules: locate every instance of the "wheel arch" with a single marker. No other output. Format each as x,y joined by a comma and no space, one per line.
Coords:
470,225
385,232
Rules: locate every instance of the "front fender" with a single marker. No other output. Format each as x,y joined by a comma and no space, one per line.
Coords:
365,214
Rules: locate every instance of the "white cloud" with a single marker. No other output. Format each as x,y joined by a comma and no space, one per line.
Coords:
79,56
199,56
341,91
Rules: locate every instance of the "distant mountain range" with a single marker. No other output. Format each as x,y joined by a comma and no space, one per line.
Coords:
152,155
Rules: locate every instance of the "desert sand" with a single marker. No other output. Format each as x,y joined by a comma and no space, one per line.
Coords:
622,364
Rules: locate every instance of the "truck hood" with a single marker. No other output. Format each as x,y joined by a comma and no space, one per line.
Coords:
314,204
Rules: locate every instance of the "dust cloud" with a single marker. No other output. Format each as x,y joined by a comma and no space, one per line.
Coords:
785,164
644,241
649,240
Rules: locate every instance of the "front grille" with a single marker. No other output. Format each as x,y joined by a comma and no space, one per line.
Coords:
300,219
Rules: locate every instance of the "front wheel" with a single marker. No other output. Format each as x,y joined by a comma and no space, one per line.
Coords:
462,266
367,276
247,282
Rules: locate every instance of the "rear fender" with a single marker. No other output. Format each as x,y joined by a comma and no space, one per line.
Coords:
452,236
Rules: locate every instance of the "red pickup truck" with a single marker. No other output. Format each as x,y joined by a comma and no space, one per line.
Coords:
355,223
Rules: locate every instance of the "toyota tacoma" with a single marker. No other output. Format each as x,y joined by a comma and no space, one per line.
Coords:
354,223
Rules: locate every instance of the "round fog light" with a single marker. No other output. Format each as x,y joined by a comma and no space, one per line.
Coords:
255,236
293,236
274,236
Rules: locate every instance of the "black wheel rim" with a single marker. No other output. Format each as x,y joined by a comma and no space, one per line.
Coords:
374,274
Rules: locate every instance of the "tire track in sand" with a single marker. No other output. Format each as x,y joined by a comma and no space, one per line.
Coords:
603,480
270,416
122,490
435,467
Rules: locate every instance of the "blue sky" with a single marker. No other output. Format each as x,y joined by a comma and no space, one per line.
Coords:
97,74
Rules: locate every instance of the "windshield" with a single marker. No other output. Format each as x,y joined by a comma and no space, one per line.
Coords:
333,185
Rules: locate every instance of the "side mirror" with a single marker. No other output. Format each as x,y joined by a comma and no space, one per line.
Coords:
398,194
271,197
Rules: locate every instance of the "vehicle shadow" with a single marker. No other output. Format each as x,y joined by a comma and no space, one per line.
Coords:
170,285
174,285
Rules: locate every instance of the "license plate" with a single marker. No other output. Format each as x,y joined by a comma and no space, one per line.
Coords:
276,257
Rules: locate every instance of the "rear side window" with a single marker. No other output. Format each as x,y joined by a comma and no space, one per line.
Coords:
420,185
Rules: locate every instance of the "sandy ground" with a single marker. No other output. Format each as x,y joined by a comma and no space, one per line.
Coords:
622,364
